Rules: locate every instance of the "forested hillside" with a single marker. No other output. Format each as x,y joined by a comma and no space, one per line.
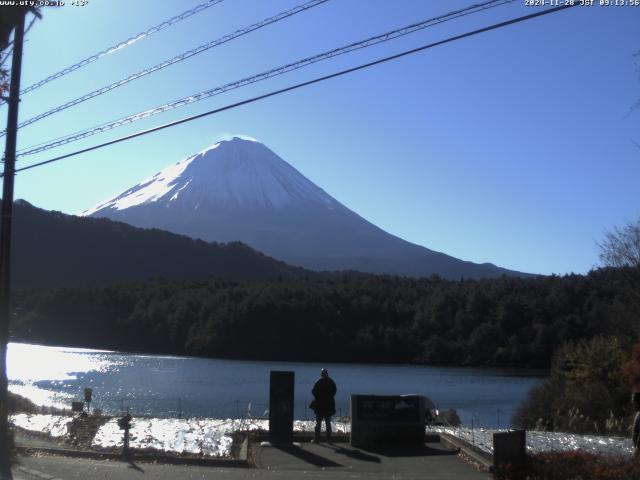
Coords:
502,322
55,249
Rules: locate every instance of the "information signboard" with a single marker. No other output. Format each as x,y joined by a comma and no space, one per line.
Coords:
388,408
387,420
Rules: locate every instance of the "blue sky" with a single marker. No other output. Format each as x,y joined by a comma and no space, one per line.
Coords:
514,147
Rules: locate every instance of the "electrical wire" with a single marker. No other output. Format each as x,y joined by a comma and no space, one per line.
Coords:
178,58
262,76
302,84
123,44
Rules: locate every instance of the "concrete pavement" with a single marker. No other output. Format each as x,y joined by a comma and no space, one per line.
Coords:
302,460
340,460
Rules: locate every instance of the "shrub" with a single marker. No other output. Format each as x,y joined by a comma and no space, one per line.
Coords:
586,391
19,404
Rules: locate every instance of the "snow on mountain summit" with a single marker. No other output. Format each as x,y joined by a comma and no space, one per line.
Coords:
149,190
231,172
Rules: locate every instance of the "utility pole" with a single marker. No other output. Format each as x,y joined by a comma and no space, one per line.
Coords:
5,229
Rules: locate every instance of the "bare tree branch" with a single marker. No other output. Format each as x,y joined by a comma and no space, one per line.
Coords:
621,246
621,249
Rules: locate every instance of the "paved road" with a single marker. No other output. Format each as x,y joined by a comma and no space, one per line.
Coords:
64,468
330,461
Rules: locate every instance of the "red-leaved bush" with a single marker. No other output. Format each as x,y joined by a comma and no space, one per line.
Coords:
631,371
582,466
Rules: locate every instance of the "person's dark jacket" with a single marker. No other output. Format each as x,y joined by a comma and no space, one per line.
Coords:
324,391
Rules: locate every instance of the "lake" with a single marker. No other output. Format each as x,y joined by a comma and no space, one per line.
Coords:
169,386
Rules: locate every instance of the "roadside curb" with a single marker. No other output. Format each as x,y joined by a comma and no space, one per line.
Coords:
36,473
483,458
141,457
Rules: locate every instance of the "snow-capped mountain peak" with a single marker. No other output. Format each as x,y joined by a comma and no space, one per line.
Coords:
231,172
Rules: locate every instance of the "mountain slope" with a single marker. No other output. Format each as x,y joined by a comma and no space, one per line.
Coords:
241,190
54,249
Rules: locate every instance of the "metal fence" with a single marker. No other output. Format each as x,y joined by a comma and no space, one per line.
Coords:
180,407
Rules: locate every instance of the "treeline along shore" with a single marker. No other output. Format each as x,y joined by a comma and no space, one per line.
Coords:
506,322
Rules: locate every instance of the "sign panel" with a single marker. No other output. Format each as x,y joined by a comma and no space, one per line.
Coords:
387,420
388,408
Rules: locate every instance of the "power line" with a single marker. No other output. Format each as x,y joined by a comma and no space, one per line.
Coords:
176,59
129,41
262,76
300,85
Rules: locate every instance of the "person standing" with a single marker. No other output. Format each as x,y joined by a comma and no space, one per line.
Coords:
324,403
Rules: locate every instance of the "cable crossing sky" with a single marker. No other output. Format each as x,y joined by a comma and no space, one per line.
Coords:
121,45
384,37
179,58
300,85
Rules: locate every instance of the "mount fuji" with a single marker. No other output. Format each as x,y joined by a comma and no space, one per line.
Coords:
240,190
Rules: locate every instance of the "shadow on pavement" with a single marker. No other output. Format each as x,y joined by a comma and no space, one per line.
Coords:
307,456
352,453
133,466
410,451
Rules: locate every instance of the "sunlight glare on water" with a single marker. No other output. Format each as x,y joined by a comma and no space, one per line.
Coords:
32,367
32,363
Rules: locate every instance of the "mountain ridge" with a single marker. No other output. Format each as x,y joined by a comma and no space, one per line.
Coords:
56,249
